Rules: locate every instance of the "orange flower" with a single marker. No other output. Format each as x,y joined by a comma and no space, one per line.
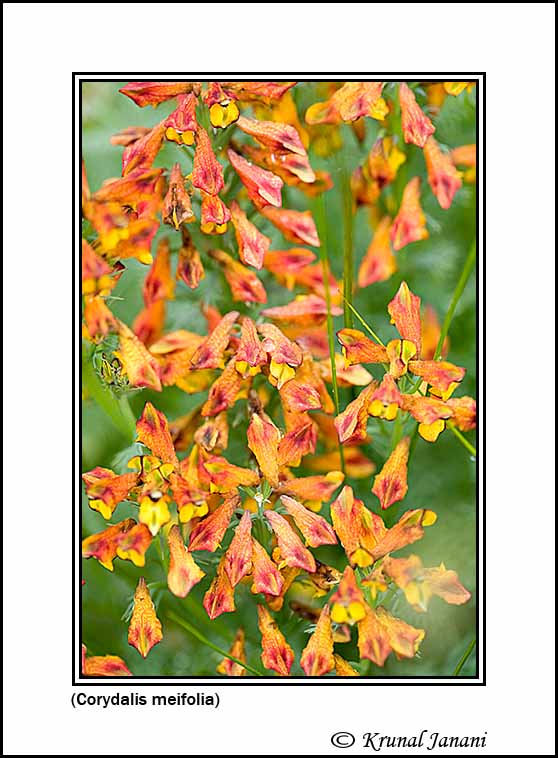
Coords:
159,284
183,572
225,477
390,485
300,396
347,602
209,533
207,173
263,187
250,355
443,177
464,413
129,135
265,575
293,552
407,530
148,324
410,223
373,639
210,353
315,529
153,93
386,399
132,544
144,631
357,528
173,353
213,434
263,440
128,189
300,439
153,430
404,310
252,244
279,138
317,657
352,101
276,653
96,276
238,558
229,667
140,366
245,285
456,88
181,125
403,638
177,208
304,310
291,274
219,598
189,268
296,226
384,161
284,151
284,355
224,391
103,665
378,263
441,375
420,584
105,489
357,465
430,412
351,423
295,170
102,546
141,153
285,263
223,109
190,499
312,490
417,127
258,91
214,215
358,348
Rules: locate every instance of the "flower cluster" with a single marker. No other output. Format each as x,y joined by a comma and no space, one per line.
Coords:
248,526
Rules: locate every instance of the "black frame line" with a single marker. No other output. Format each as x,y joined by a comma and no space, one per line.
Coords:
424,681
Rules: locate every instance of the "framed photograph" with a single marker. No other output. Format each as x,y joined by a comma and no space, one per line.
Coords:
279,319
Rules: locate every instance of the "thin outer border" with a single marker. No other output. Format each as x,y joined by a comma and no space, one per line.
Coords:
77,417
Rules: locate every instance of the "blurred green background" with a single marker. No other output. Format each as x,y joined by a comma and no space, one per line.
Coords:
441,476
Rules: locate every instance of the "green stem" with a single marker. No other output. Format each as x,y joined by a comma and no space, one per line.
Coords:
324,258
362,321
467,268
464,441
117,408
348,257
414,387
199,636
465,657
414,440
